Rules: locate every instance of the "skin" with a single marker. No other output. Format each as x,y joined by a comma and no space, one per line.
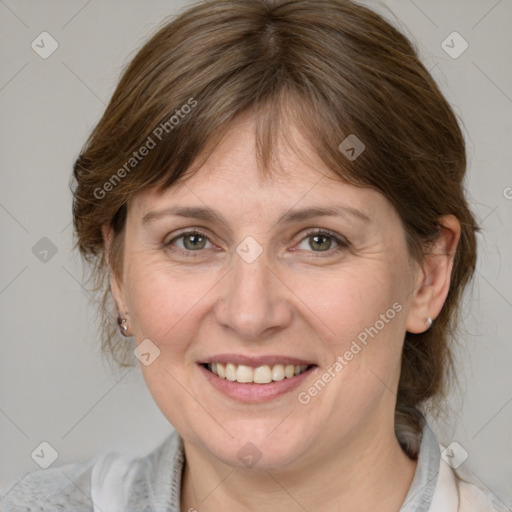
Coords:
338,452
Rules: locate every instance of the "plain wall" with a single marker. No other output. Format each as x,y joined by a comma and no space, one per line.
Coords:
54,385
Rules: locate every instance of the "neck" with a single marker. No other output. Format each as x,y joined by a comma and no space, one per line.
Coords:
372,472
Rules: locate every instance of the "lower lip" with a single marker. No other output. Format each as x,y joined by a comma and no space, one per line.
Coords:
254,393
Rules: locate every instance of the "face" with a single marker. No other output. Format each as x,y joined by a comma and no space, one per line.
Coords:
329,293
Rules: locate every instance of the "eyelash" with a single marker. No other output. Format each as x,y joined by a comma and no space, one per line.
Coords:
342,243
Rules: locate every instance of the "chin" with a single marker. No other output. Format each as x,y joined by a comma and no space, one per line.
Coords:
258,447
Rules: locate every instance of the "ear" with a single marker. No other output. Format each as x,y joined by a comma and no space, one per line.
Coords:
434,276
116,286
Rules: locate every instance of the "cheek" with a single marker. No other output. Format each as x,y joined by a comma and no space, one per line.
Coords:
163,299
343,304
359,317
167,304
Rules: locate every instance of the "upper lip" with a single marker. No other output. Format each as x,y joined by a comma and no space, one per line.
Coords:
255,361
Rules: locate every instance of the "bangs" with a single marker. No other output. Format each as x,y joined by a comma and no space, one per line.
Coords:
284,119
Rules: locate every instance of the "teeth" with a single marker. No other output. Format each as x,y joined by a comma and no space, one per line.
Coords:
260,375
230,371
244,374
277,372
289,371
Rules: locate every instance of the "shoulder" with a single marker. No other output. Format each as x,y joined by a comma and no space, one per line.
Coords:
109,482
121,483
474,499
65,487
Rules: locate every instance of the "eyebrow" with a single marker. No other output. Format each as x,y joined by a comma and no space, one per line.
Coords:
209,215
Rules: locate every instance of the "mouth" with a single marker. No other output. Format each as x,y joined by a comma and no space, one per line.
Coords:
263,374
255,379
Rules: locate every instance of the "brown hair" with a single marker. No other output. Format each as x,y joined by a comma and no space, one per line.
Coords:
335,67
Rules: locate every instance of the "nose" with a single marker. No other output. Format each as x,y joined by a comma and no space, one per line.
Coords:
256,302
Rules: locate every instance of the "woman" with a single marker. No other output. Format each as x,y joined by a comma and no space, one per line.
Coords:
273,203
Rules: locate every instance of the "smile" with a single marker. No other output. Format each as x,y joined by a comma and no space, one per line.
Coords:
264,374
254,378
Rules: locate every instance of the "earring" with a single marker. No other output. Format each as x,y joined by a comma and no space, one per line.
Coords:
428,321
121,321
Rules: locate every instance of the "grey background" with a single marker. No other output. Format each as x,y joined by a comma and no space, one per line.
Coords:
55,386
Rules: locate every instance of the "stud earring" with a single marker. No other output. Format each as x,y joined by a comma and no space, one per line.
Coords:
121,322
428,321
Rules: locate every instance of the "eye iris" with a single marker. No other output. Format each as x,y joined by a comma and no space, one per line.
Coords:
193,236
325,237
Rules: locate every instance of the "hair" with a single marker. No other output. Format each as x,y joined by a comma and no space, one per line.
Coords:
332,67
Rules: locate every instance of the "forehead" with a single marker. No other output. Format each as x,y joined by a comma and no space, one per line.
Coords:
232,180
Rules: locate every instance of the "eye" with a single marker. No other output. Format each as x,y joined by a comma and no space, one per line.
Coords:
193,241
322,240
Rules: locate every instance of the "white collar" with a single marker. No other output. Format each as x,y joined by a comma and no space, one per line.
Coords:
434,487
